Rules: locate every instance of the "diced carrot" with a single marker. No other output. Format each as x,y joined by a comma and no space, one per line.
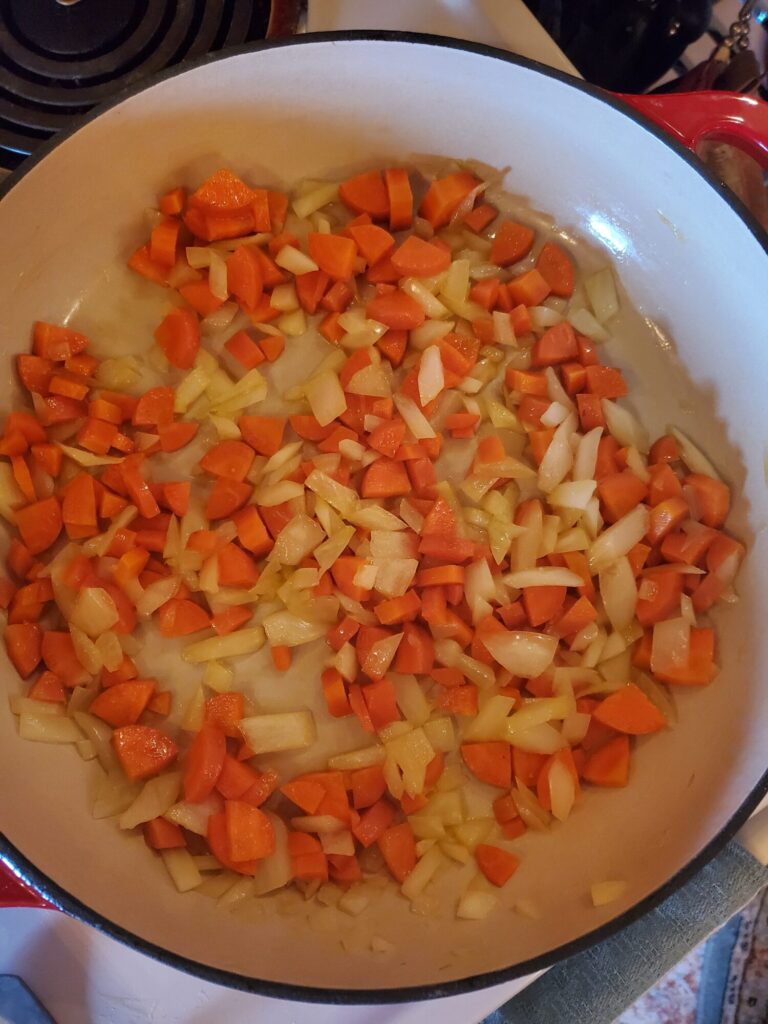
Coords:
417,258
161,703
225,711
666,517
445,195
172,202
218,842
496,864
203,763
374,822
526,382
590,411
230,459
163,242
605,382
181,618
528,289
51,341
665,600
245,279
556,267
123,703
416,653
512,243
333,254
619,493
701,668
373,242
379,697
35,373
609,764
398,848
23,642
543,603
245,350
397,310
236,567
178,335
556,345
628,710
235,779
481,217
664,449
272,346
136,486
58,653
222,191
712,496
67,387
226,497
39,524
154,408
200,297
385,479
160,834
400,198
490,761
250,833
366,193
142,750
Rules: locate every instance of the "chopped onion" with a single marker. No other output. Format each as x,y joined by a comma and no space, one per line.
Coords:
491,721
423,873
194,817
670,648
217,276
431,305
558,458
543,576
637,464
585,460
624,426
241,642
431,379
374,517
522,653
295,261
323,194
575,727
342,498
381,655
86,650
693,457
182,869
429,332
410,699
297,540
529,808
286,630
44,728
155,595
503,331
157,797
574,494
88,459
543,317
441,734
601,291
414,418
371,381
619,538
289,730
94,611
539,739
562,790
619,592
583,322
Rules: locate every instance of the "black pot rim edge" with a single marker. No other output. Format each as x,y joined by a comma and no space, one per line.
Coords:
64,901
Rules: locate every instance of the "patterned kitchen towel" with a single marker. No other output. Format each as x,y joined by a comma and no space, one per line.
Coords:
595,986
734,976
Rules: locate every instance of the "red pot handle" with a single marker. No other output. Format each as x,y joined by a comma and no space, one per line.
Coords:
15,893
692,117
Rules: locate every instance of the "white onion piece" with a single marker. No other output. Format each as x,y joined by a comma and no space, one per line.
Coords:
619,538
326,397
288,630
693,457
395,575
503,331
601,291
554,415
431,379
155,595
431,305
157,796
388,544
670,648
529,808
637,464
295,261
556,391
539,739
583,322
522,653
342,498
371,381
543,317
414,418
525,547
558,458
573,494
543,576
575,727
297,540
455,286
290,730
94,611
562,790
585,460
625,426
429,332
323,193
374,517
381,655
490,723
619,592
217,276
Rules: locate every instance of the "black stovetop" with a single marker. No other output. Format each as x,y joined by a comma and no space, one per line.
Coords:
58,58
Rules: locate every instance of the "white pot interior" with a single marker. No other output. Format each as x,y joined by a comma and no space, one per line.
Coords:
690,265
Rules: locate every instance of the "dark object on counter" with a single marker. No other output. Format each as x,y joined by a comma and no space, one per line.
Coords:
61,57
625,45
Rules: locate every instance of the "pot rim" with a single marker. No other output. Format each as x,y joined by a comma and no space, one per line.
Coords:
60,898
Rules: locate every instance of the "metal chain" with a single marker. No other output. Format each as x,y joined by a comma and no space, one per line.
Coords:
738,34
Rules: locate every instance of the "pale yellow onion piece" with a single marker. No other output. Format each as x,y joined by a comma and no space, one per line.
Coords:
539,739
297,540
573,494
478,582
471,833
155,595
345,660
157,796
447,806
117,374
209,575
601,291
429,332
692,456
388,544
319,823
583,322
94,611
371,381
554,415
431,378
194,712
326,397
218,677
412,753
410,516
419,290
367,757
101,544
295,261
381,656
99,733
558,458
18,704
411,699
290,730
339,842
543,576
343,499
658,694
226,429
529,808
522,653
625,426
356,452
328,551
619,539
575,727
365,576
110,651
638,464
374,517
88,459
538,712
394,575
585,460
194,817
441,733
199,256
524,553
284,297
217,276
507,469
195,382
43,728
11,497
618,590
321,195
670,647
293,324
603,893
562,790
241,642
490,723
450,654
182,869
543,317
114,793
501,417
576,539
414,418
286,630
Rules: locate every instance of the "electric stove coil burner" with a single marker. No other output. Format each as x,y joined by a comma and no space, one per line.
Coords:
60,57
